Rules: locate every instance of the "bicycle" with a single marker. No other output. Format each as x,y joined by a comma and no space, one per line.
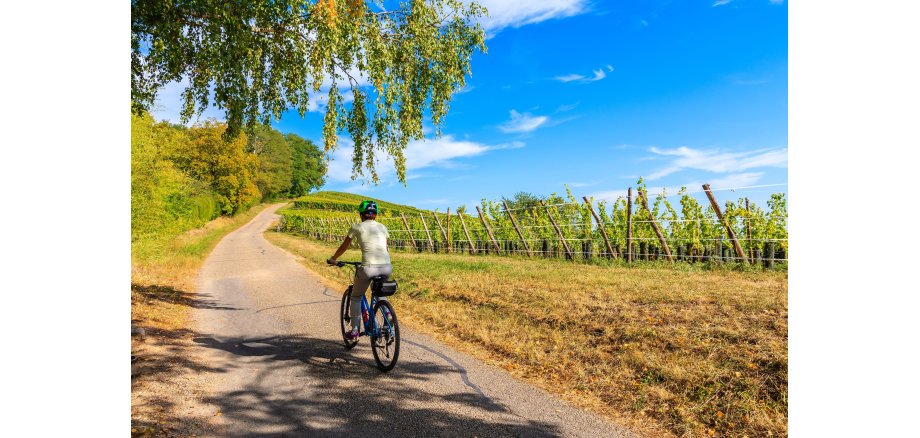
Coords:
381,326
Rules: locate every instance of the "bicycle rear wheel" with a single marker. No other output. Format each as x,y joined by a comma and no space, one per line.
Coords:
386,344
345,319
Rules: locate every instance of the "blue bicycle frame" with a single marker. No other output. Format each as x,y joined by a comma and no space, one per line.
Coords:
370,324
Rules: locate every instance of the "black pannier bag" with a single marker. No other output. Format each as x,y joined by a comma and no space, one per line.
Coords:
384,288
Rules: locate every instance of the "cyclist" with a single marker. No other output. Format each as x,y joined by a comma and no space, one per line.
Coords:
371,237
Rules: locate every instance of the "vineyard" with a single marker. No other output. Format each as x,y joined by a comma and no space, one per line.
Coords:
639,226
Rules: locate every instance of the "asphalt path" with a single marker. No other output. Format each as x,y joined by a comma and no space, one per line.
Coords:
276,365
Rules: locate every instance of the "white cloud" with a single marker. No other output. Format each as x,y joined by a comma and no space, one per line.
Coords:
504,13
598,75
420,154
523,122
721,2
733,181
716,161
569,78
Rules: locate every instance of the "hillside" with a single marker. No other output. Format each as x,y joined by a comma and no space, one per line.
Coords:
348,202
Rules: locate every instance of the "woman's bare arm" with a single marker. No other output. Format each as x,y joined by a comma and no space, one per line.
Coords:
338,253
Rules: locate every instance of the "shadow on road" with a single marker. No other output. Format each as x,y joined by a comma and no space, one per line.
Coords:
168,294
339,392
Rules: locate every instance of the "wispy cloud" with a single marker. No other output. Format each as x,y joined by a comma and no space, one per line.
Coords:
466,89
420,154
564,108
598,75
721,2
503,13
732,181
569,78
736,180
523,122
717,161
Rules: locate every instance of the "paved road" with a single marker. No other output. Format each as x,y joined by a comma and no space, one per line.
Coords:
276,365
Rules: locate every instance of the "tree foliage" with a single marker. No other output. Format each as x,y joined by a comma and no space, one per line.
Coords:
275,162
182,177
224,165
256,59
163,198
308,170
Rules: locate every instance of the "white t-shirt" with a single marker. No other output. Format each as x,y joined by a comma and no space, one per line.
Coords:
371,236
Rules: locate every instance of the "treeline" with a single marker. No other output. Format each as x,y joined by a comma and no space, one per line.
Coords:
182,177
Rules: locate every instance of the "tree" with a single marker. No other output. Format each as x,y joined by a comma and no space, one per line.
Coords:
222,164
275,166
522,200
308,166
163,198
260,58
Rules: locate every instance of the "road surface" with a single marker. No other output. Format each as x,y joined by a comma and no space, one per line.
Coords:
276,365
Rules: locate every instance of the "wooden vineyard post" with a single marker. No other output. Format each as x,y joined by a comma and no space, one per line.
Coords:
467,233
731,233
747,227
664,244
629,246
771,254
409,232
427,233
448,230
568,250
440,228
600,225
488,230
521,235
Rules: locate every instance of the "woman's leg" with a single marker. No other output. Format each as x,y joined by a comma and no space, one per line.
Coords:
357,291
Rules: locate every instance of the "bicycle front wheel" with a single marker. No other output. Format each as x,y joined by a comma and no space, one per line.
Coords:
386,343
345,319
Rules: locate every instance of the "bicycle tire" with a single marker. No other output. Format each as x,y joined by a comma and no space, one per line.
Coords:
386,354
345,319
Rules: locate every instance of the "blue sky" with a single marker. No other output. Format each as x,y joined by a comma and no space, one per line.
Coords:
594,95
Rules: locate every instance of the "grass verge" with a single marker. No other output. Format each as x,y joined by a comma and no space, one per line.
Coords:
163,272
666,349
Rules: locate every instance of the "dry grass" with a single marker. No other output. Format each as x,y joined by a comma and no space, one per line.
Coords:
669,349
163,276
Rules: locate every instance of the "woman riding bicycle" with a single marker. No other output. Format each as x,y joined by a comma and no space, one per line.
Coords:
372,239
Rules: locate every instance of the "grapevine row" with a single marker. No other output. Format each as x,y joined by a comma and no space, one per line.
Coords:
561,226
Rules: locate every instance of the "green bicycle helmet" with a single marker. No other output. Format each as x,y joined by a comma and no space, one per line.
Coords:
367,207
